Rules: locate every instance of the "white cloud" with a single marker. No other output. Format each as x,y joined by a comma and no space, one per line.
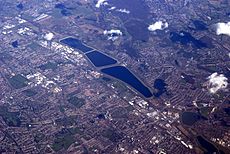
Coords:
112,8
223,28
124,11
101,2
49,36
217,82
113,34
159,25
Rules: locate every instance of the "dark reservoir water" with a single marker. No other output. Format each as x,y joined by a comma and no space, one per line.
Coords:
126,76
210,149
190,118
76,44
99,59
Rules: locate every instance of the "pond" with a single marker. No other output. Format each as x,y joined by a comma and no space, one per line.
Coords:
14,44
160,85
20,6
190,118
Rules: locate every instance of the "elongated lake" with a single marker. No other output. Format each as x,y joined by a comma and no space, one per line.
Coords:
99,59
123,74
76,44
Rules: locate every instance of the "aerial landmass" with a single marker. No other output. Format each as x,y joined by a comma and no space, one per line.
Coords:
115,76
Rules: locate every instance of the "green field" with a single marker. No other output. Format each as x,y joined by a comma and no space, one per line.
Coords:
77,102
65,138
10,118
18,81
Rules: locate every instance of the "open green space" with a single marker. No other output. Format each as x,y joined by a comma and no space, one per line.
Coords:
76,101
10,118
18,81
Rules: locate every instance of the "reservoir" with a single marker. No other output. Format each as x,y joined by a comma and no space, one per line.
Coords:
99,59
123,74
76,44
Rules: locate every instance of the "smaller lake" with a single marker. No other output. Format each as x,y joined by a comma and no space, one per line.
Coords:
207,146
99,59
76,44
15,44
160,85
123,74
190,118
